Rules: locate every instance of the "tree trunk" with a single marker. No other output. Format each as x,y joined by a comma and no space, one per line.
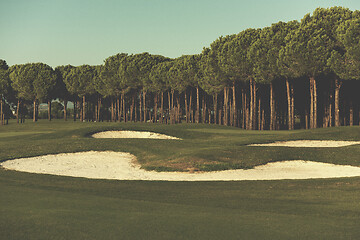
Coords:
162,107
172,107
311,103
337,99
1,111
123,107
203,116
197,105
215,109
34,113
144,104
190,108
315,104
292,107
141,107
169,107
132,108
119,108
186,108
112,109
259,114
288,94
225,107
178,108
243,99
254,104
251,105
234,112
272,108
84,109
155,107
135,110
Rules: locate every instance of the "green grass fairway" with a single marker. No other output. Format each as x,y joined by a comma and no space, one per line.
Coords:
53,207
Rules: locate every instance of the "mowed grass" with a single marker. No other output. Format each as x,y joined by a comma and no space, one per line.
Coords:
52,207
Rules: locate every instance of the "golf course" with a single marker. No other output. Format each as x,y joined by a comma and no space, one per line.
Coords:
43,206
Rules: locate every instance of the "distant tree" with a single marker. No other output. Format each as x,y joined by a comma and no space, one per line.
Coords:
60,90
80,82
345,61
4,87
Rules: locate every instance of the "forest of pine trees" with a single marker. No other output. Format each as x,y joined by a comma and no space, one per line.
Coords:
288,75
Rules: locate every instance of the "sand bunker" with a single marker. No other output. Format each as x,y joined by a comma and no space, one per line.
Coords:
131,134
121,166
308,143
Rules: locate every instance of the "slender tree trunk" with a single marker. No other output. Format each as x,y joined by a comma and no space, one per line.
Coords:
272,107
215,109
247,111
263,119
243,108
99,109
259,114
203,116
84,109
337,100
288,94
292,107
186,108
315,104
197,105
135,110
254,104
162,107
132,108
112,109
169,107
178,108
311,103
34,113
124,112
141,107
225,107
119,109
144,104
1,111
156,108
190,108
251,105
172,107
234,114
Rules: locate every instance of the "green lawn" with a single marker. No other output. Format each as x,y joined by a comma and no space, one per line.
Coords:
53,207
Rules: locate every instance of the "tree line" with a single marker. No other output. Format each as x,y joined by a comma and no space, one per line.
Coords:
289,75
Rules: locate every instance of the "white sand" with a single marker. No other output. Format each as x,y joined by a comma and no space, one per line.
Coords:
131,134
121,166
308,143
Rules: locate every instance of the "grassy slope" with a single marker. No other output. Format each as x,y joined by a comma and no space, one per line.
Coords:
52,207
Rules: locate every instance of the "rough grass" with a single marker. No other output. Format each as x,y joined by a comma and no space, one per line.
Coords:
52,207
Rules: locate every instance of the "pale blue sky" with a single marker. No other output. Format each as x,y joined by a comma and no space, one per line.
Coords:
60,32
